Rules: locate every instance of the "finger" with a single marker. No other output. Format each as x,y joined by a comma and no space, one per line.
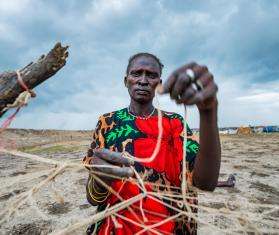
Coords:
111,169
210,91
122,172
183,79
180,85
186,95
112,157
199,70
167,86
97,161
204,94
101,165
206,79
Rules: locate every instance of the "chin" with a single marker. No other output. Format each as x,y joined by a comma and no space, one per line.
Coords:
142,99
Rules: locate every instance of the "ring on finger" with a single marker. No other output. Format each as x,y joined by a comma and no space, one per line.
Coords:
199,85
190,73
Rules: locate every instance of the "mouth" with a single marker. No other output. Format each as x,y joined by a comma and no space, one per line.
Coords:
142,91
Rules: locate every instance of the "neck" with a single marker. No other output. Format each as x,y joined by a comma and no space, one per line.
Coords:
140,109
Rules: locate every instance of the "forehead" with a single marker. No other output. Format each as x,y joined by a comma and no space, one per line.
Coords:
146,63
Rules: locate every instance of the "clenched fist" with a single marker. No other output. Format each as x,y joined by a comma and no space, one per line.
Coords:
192,84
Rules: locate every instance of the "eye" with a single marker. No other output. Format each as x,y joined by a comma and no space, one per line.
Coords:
135,73
152,75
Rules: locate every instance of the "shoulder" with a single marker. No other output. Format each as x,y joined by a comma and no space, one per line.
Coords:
112,114
115,117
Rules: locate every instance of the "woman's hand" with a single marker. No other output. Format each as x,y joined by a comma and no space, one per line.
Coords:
192,84
107,166
112,165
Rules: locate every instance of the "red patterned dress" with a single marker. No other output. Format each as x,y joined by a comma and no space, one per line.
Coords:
120,131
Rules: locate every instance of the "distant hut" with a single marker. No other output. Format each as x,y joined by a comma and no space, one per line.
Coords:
244,130
270,129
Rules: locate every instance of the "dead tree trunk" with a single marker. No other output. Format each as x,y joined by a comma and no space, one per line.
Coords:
33,74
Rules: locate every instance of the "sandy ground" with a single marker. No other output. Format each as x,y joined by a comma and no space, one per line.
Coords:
254,159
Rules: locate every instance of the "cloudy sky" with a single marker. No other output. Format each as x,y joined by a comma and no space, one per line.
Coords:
237,40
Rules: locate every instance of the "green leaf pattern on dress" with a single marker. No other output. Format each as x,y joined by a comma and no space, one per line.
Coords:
122,131
124,115
192,146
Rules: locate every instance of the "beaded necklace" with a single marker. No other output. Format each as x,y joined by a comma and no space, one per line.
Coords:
139,117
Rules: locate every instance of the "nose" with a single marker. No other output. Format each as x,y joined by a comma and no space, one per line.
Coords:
143,81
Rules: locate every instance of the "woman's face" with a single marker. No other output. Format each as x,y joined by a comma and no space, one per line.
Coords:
142,79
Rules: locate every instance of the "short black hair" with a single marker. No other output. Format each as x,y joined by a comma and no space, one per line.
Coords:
144,54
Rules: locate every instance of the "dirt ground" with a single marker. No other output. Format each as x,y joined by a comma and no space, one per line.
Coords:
254,159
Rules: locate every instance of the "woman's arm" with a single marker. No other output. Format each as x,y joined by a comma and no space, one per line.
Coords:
193,84
207,164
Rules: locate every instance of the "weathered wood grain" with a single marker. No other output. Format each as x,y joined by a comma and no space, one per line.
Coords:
33,74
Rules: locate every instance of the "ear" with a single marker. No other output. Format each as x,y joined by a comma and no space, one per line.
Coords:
125,81
160,81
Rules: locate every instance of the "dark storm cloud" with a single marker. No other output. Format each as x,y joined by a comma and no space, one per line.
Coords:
238,40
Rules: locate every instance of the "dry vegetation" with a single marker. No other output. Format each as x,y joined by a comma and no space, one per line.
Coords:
253,158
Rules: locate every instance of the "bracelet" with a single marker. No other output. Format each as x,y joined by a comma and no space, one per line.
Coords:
98,198
97,192
92,189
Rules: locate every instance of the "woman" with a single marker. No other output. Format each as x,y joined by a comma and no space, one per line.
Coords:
134,130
